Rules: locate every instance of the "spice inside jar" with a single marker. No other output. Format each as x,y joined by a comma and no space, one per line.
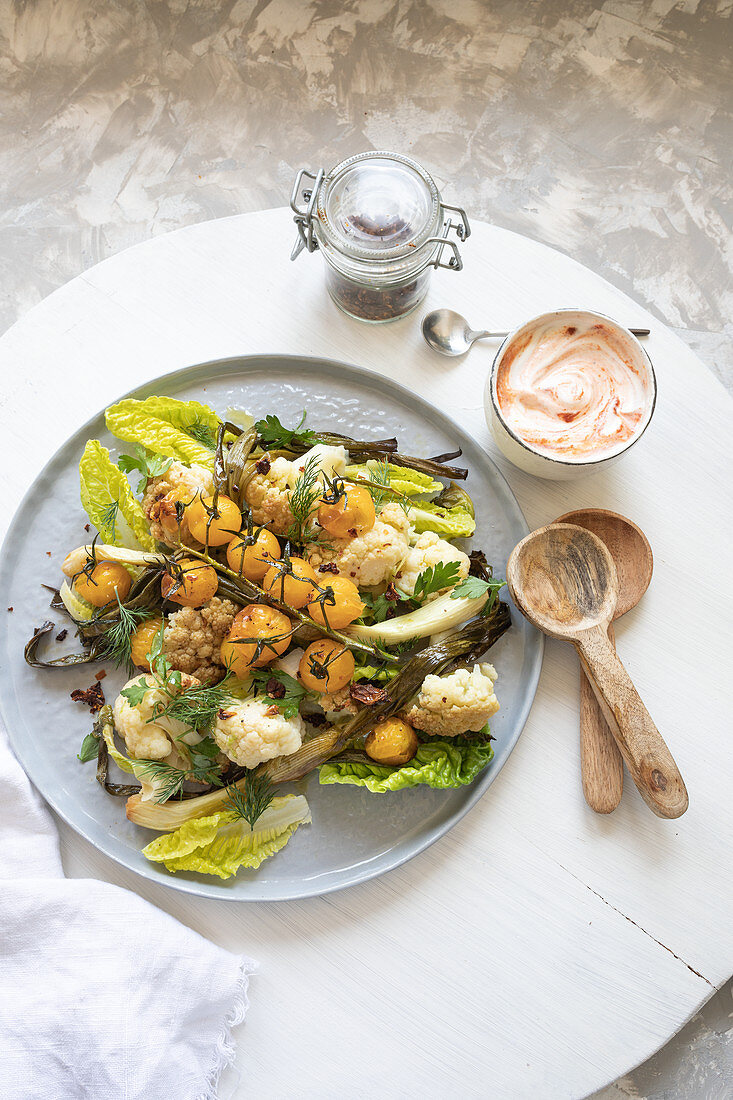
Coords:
381,226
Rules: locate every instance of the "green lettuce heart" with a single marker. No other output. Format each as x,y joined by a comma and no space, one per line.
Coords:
223,842
439,763
108,501
183,430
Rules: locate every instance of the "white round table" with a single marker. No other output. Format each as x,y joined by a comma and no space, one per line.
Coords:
538,950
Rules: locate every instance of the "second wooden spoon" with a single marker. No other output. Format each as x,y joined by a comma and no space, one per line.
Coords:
562,578
601,766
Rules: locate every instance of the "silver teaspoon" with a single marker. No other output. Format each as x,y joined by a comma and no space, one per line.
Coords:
449,333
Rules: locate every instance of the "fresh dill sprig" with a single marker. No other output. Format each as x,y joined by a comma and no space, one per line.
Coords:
251,802
196,706
117,641
304,494
379,478
169,780
379,486
109,519
202,433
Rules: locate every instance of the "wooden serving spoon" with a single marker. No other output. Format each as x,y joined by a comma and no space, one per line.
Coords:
601,766
562,578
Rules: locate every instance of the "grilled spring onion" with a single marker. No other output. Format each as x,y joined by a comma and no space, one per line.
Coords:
361,451
235,467
76,560
31,649
443,613
97,633
468,645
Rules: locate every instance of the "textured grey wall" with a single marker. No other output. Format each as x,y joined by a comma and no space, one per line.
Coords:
601,129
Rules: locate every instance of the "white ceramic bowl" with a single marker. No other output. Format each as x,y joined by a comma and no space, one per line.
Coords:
536,462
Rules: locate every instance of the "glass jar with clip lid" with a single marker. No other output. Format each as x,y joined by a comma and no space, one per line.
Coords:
381,226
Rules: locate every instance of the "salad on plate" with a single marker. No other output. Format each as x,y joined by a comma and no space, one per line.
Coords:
282,600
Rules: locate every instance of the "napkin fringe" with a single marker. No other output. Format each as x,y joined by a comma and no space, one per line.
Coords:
224,1050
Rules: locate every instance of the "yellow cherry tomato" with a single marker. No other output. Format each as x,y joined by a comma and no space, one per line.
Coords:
99,586
267,634
213,525
351,515
193,586
326,666
141,642
392,741
337,604
294,586
252,561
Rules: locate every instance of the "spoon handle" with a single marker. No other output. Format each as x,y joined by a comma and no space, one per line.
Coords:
601,766
488,335
650,763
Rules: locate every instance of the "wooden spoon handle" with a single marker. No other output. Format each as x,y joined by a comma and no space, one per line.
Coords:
601,766
650,763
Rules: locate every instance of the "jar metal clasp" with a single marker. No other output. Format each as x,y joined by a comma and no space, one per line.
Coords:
462,231
304,214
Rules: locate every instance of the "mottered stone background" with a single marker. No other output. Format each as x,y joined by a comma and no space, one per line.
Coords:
603,130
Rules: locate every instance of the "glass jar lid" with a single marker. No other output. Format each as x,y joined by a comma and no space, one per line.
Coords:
379,206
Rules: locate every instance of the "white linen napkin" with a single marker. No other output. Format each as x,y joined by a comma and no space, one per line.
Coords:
102,996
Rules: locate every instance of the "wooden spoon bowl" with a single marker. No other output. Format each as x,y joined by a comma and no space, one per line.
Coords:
568,580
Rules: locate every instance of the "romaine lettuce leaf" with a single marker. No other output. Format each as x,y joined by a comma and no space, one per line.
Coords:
439,763
453,523
108,501
401,478
184,430
222,843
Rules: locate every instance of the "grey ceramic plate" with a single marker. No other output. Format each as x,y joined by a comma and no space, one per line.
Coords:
355,835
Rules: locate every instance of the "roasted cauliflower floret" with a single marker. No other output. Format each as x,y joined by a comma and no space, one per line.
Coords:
429,550
178,484
268,495
371,558
461,702
250,732
146,739
193,636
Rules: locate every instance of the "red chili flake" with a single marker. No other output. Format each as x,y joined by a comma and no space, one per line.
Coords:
263,466
272,711
61,635
87,527
367,694
327,567
93,697
99,675
275,688
48,553
353,532
391,593
10,609
223,715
